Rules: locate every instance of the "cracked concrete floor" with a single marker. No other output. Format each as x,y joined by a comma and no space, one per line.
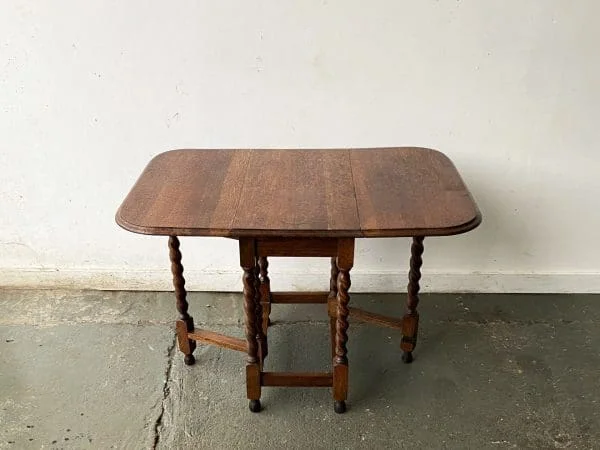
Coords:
98,369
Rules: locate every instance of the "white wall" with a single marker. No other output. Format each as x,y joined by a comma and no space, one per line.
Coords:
510,90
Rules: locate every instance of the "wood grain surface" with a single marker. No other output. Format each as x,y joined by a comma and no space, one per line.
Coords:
410,192
297,192
379,192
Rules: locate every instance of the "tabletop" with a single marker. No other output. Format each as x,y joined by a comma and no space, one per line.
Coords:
376,192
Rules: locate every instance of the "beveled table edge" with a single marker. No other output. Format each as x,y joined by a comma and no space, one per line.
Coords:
256,233
381,233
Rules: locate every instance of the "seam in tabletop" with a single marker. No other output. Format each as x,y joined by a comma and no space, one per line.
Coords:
237,204
354,189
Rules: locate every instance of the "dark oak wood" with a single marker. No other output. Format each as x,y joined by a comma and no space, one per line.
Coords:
377,319
186,346
186,193
332,302
332,311
299,203
261,337
221,340
341,326
299,192
290,379
296,247
414,275
253,388
333,274
345,261
410,192
179,280
299,297
411,318
248,264
376,192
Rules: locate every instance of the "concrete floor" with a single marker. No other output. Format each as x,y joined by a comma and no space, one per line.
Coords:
100,370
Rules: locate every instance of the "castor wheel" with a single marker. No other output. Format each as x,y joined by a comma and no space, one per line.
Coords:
407,357
189,360
254,406
339,406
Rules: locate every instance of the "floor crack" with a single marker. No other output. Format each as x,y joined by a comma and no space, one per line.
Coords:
166,391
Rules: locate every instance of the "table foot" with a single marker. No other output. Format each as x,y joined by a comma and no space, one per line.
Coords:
254,406
186,345
339,407
407,357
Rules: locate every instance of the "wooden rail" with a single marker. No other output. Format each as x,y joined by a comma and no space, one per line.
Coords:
219,339
299,297
291,379
377,319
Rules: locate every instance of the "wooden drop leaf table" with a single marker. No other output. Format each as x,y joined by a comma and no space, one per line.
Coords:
298,203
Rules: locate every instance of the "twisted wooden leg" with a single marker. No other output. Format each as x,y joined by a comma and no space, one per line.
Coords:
345,260
260,335
265,293
248,263
410,321
185,324
332,303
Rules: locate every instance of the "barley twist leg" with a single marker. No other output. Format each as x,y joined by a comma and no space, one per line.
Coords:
410,321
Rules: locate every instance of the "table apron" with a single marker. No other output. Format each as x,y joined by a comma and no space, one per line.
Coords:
297,247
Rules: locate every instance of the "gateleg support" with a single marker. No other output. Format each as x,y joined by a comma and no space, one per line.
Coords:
248,262
344,262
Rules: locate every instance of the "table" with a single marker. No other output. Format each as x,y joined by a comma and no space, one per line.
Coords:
298,203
